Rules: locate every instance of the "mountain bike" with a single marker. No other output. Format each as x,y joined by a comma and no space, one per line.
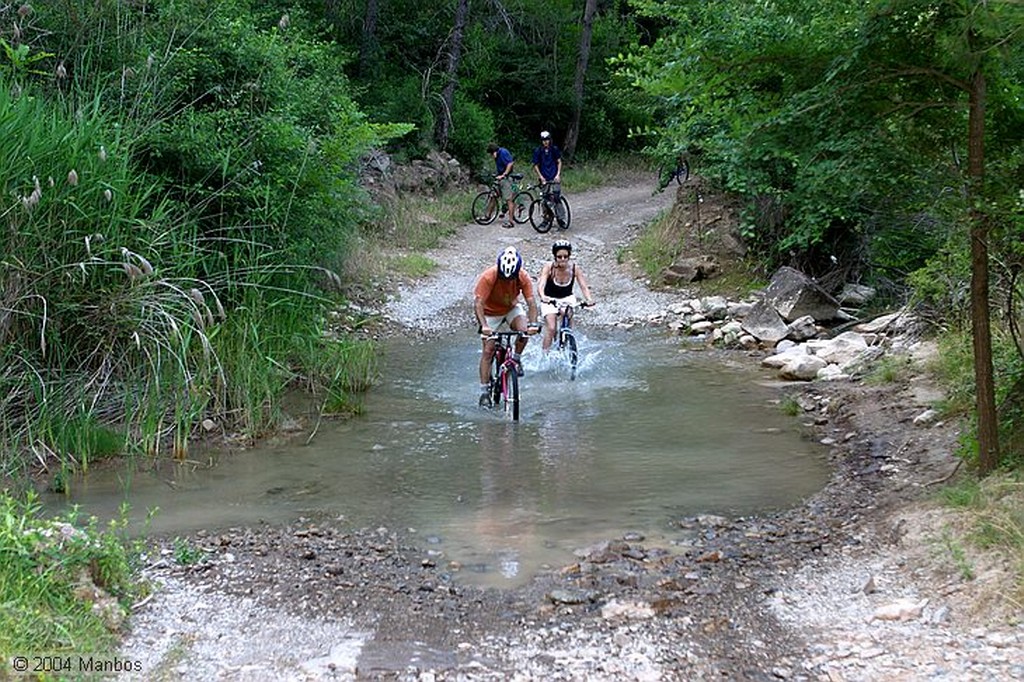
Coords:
543,209
504,383
488,204
566,337
678,172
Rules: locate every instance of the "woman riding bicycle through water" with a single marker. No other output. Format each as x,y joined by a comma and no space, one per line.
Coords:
556,283
496,302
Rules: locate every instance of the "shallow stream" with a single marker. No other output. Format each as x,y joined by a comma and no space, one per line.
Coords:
650,431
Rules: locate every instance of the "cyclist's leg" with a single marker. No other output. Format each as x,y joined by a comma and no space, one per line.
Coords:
487,357
563,206
505,189
517,321
549,311
556,203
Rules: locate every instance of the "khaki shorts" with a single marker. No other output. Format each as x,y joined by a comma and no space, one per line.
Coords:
495,321
505,185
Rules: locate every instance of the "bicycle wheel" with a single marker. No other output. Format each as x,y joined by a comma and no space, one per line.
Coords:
566,212
540,216
485,208
572,353
682,172
678,173
495,385
511,394
521,205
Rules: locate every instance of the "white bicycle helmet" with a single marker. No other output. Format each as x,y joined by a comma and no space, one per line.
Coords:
509,263
545,135
561,245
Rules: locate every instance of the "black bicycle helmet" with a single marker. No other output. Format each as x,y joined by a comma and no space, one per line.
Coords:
509,263
561,245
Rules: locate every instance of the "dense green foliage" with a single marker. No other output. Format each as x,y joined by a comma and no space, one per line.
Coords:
844,130
515,78
843,126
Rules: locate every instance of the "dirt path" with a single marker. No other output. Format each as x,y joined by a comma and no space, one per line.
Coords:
790,596
603,222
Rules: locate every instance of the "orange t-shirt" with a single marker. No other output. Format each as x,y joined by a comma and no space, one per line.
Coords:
500,295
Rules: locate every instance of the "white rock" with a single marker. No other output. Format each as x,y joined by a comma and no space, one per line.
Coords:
901,609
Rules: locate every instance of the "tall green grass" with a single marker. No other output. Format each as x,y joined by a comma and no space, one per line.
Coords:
178,187
100,321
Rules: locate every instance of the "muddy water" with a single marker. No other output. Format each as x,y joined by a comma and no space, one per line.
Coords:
650,431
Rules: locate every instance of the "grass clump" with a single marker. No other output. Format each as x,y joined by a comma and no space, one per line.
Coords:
414,265
658,246
889,370
994,510
65,583
604,170
790,407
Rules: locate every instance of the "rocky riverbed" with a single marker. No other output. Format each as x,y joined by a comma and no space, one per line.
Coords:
856,583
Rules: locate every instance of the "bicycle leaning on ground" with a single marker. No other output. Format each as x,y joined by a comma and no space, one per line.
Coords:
489,203
543,213
504,383
677,171
566,338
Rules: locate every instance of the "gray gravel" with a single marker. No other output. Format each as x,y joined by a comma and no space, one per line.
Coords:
805,594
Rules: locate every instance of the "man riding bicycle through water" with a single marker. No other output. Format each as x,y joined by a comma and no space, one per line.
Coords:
496,301
547,164
556,283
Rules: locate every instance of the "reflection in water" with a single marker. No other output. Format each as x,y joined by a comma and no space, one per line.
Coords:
646,434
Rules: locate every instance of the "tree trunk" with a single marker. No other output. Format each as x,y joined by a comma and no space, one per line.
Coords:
573,134
988,432
444,121
368,43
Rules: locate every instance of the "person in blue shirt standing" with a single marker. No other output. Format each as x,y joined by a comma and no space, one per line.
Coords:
547,163
503,163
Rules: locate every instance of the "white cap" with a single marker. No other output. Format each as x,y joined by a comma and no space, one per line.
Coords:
545,135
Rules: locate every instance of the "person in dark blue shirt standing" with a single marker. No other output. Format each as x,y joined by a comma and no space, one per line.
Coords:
547,163
503,163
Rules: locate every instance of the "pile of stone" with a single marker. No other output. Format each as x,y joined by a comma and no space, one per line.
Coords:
810,334
384,179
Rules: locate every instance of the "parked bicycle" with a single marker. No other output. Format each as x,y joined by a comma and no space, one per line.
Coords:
566,337
677,171
504,383
543,210
488,204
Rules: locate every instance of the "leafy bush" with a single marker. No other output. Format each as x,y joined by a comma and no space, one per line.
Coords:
64,583
472,129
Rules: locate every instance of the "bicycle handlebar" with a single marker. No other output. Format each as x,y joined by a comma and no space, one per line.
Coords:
494,336
581,304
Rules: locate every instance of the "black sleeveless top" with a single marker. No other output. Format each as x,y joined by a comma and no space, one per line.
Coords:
554,290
